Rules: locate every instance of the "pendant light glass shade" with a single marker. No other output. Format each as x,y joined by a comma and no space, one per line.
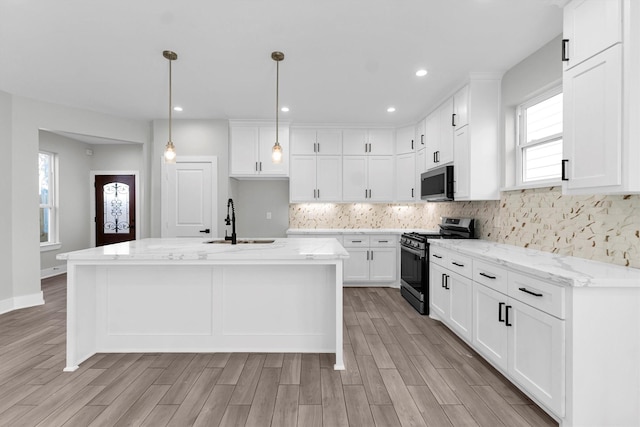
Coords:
276,151
170,149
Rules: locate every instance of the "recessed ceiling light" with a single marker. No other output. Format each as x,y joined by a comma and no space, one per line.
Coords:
391,109
285,109
177,108
421,73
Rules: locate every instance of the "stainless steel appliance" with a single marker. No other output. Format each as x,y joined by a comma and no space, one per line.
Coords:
436,185
414,259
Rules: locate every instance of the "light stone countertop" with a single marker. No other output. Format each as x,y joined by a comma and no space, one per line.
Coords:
358,231
559,269
178,249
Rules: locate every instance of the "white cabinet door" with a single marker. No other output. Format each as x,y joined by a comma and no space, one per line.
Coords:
302,183
421,134
421,166
592,143
354,142
243,150
267,137
329,178
444,153
382,264
432,137
329,141
461,300
406,177
461,107
438,294
590,27
303,141
405,140
462,163
356,267
380,178
354,178
537,353
381,142
490,334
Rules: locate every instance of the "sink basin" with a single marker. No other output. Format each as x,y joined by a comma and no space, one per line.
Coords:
243,241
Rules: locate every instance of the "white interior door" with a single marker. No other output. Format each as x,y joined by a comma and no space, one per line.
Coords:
189,197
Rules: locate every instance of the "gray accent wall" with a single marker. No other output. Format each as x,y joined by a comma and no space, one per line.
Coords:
6,184
253,199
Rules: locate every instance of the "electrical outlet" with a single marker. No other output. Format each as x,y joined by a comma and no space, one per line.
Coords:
268,215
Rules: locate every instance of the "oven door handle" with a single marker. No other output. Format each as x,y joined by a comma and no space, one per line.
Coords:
416,252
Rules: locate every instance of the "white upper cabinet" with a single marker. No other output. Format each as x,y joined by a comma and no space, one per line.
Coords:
367,142
590,27
461,107
367,178
406,177
316,141
250,147
601,97
405,140
315,178
439,135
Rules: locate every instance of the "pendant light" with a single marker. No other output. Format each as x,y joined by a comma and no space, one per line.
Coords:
170,149
276,151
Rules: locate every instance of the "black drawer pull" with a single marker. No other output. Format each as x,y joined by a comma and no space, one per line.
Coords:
525,290
456,264
446,281
565,53
383,241
437,256
487,276
356,241
500,318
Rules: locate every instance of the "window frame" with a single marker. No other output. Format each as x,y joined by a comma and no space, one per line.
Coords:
54,242
522,144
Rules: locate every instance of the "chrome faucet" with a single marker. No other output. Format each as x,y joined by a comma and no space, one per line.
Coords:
231,221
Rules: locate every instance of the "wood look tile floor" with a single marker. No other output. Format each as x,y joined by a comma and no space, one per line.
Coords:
403,369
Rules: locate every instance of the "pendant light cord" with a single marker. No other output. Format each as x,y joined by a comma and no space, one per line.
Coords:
277,93
170,99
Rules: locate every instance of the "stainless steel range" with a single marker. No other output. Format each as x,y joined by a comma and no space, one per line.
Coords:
414,266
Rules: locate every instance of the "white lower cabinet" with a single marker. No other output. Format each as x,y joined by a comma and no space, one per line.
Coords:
372,258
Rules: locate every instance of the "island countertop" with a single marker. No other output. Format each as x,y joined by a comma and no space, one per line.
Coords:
196,249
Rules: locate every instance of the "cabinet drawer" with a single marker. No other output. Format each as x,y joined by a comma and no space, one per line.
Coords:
490,275
438,256
355,241
461,264
538,294
381,241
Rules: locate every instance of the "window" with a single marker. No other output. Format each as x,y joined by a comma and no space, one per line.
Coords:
48,219
540,138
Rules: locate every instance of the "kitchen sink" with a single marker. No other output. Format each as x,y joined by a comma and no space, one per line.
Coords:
243,241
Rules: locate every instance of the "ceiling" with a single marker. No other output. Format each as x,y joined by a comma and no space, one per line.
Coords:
346,61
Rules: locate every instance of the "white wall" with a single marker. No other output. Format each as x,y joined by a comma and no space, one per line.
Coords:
6,258
73,195
253,199
27,118
191,138
537,73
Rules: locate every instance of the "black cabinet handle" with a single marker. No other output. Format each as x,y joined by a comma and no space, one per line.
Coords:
412,144
356,241
453,119
437,256
456,264
206,230
412,196
564,170
446,282
437,156
318,193
318,147
487,276
422,139
565,45
506,320
500,318
527,291
443,280
434,157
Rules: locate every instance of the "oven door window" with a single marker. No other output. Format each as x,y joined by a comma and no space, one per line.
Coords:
412,270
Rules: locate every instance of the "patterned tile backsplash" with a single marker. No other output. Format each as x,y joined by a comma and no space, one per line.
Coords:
598,227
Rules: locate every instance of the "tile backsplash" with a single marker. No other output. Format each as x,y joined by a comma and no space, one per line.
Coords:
598,227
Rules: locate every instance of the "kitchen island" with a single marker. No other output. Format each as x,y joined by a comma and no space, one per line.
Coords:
190,295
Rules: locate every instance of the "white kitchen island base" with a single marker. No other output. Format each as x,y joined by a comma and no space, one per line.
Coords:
127,306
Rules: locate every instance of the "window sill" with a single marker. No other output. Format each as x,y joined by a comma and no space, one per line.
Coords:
529,186
46,247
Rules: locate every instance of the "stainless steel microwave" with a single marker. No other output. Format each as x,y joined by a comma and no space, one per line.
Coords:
436,185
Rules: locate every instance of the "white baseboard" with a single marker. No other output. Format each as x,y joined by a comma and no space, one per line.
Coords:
23,301
53,271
